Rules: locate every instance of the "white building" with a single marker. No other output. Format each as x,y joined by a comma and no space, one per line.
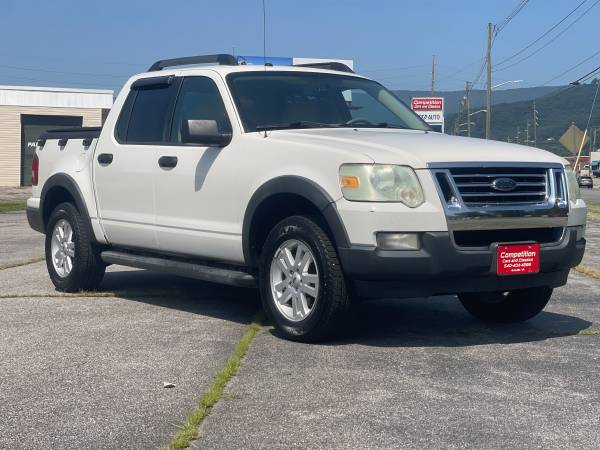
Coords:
27,111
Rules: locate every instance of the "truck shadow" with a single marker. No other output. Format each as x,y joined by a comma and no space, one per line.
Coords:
183,294
422,322
443,322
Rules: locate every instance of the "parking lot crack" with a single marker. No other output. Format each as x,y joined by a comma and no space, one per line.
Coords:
189,431
21,263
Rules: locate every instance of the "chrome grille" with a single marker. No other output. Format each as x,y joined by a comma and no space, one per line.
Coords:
501,185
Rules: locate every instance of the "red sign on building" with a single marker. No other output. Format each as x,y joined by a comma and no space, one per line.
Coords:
427,103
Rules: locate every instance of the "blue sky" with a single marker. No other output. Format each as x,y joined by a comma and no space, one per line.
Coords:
99,44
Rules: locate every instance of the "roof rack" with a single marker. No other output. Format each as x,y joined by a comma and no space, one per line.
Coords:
329,65
221,59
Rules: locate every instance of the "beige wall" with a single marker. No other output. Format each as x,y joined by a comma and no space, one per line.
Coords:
10,135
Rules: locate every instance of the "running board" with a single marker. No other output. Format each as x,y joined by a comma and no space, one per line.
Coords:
184,269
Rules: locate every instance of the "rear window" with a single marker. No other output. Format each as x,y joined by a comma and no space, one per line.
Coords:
146,114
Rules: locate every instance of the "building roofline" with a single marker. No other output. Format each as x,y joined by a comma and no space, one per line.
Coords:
55,89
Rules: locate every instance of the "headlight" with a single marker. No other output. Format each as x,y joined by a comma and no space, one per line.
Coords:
381,183
572,184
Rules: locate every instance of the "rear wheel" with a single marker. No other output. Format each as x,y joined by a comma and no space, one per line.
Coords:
506,307
302,285
73,261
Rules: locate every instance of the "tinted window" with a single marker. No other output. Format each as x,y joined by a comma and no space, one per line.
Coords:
309,100
150,114
199,99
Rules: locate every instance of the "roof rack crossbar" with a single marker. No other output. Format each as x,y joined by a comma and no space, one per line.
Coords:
329,65
221,59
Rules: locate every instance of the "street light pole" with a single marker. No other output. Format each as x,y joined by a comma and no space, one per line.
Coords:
488,102
535,125
433,76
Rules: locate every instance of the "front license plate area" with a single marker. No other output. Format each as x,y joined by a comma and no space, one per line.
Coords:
517,259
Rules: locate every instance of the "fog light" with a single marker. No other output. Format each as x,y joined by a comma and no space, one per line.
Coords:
580,232
398,241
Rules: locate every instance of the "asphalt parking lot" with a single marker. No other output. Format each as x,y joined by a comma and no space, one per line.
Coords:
87,371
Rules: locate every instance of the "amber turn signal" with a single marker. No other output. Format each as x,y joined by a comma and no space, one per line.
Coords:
350,182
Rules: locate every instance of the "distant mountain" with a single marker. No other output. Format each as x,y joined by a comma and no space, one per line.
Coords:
453,98
557,111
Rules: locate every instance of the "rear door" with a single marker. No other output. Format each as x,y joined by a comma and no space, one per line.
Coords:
125,163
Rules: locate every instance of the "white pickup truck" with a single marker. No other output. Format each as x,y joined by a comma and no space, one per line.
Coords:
312,183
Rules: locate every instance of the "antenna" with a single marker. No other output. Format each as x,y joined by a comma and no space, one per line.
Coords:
265,45
264,34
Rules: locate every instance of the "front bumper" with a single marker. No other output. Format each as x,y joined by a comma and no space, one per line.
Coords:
439,267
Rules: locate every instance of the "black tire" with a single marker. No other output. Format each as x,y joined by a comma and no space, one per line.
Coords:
332,304
88,269
507,307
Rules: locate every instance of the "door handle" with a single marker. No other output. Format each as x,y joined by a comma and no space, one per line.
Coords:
167,162
105,159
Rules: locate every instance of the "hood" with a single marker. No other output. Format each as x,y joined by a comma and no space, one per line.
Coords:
415,148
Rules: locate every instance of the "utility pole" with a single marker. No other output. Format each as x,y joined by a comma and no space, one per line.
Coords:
460,111
433,76
488,102
535,125
468,106
527,134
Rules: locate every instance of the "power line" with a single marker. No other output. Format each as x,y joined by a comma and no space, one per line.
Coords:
385,69
574,84
550,41
543,35
63,72
571,68
61,82
586,77
511,16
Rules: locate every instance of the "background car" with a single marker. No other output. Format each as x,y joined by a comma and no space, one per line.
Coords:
585,181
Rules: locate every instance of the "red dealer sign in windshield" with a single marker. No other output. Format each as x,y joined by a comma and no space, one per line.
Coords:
518,259
427,103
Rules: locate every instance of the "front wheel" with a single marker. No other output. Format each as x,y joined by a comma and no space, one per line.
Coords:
301,281
506,307
73,261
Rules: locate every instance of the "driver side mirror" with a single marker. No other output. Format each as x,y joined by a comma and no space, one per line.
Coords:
203,132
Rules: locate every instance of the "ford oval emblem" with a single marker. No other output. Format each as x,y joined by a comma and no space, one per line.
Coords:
504,184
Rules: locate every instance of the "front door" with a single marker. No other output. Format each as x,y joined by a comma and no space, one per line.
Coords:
194,183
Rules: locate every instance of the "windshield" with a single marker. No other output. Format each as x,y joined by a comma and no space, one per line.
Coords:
286,100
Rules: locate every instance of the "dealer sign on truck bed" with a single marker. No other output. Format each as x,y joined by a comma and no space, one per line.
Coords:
431,110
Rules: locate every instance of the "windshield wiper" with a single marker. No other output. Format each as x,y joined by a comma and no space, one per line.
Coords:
295,125
372,125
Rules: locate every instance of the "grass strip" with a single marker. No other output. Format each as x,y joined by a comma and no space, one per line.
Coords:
590,272
593,211
190,429
21,263
12,206
590,332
